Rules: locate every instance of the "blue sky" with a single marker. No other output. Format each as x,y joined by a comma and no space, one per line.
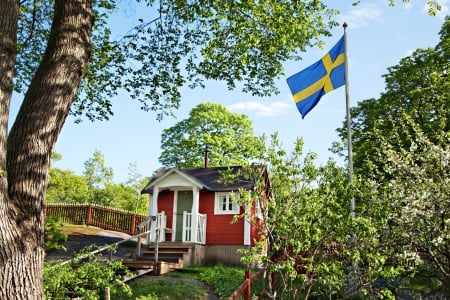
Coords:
378,36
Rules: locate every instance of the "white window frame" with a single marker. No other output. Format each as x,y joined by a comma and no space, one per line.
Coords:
258,209
228,197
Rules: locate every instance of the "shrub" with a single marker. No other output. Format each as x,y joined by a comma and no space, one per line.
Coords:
53,236
225,279
85,276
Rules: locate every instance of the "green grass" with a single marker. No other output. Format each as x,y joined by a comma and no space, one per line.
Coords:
192,272
152,288
176,284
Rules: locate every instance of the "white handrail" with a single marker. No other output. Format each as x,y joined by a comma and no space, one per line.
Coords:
187,235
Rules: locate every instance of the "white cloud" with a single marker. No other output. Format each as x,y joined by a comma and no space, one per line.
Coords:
260,108
361,15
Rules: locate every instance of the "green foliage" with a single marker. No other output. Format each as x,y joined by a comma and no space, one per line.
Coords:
192,272
66,187
177,285
401,156
177,44
53,236
163,289
228,137
123,197
415,194
96,173
96,187
224,279
419,86
85,276
316,248
136,182
433,6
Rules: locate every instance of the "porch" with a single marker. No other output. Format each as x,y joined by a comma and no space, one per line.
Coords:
193,229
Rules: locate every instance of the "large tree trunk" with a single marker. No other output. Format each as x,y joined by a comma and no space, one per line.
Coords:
30,143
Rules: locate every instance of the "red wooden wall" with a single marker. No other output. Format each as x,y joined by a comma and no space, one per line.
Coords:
219,230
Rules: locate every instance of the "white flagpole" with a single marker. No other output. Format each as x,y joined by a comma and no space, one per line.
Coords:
349,128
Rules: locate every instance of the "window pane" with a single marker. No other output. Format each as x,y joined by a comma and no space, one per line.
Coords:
224,204
223,201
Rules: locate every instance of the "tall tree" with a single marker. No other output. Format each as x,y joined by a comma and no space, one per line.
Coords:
25,152
99,179
401,145
136,182
418,85
96,173
227,137
412,194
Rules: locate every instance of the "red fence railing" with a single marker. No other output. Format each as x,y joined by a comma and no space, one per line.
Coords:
96,215
245,288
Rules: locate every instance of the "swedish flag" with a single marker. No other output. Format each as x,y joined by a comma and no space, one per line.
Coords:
310,84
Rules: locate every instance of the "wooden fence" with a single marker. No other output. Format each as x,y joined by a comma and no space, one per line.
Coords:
245,288
96,215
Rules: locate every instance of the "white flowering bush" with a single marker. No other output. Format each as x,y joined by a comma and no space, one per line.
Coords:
415,192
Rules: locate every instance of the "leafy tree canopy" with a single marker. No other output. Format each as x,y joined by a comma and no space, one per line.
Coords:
412,194
227,136
316,248
418,86
95,186
66,187
96,173
180,42
401,154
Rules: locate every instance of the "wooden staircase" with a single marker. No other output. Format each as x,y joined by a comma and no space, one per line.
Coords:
170,256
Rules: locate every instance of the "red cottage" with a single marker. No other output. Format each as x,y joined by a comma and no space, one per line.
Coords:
195,209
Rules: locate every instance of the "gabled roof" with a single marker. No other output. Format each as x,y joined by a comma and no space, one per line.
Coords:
211,179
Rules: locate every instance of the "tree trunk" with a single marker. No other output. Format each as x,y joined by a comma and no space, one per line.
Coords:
30,143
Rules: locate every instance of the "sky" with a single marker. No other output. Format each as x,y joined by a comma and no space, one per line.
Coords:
378,36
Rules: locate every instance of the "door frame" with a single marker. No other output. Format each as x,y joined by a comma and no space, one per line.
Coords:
178,216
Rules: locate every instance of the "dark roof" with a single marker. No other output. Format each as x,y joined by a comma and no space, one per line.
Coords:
211,178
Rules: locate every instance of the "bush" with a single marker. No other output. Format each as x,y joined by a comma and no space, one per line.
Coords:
226,279
85,276
53,236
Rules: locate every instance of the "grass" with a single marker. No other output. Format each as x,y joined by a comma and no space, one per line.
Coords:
183,284
151,288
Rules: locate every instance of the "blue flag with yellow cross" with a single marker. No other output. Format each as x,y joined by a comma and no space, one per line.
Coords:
310,84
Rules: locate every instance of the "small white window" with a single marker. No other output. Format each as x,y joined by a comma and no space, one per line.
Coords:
224,204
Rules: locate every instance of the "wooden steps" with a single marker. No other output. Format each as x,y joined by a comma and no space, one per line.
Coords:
169,252
170,256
